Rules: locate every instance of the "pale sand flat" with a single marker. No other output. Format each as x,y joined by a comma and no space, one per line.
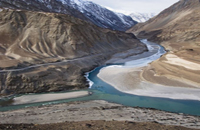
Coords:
177,70
120,77
48,97
128,80
175,60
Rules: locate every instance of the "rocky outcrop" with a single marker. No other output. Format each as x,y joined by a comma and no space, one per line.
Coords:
177,29
84,10
29,38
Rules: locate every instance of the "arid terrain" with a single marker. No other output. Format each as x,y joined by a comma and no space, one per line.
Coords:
94,125
43,50
82,9
96,115
177,29
30,38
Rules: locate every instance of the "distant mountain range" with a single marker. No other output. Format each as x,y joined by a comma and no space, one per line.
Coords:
84,10
141,17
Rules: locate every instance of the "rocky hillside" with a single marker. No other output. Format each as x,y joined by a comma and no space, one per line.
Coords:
177,29
84,10
29,38
171,23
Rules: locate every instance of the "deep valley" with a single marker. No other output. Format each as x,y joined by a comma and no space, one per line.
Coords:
74,64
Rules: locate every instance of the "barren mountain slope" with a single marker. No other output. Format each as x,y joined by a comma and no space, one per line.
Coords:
28,38
82,9
178,30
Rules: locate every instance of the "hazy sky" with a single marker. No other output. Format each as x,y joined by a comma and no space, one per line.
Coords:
141,6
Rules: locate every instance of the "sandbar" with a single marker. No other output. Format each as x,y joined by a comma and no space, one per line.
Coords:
25,99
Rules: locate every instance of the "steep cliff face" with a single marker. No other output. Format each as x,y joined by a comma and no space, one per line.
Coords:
177,29
29,38
84,10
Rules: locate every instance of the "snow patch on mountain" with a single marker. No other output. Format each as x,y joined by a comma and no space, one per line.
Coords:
141,17
85,10
121,16
101,15
78,2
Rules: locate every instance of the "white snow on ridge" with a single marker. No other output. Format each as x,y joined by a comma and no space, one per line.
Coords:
120,15
141,17
97,14
78,2
99,11
63,1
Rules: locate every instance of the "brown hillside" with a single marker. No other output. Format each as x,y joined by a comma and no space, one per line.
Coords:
29,38
178,30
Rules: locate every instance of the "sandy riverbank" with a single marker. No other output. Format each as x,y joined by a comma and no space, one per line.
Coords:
174,70
48,97
174,75
129,80
122,78
95,110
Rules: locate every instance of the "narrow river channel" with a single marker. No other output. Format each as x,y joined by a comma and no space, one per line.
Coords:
103,91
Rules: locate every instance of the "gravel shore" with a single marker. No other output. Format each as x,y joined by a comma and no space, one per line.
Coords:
94,111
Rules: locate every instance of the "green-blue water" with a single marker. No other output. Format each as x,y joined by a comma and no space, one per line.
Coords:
104,91
178,106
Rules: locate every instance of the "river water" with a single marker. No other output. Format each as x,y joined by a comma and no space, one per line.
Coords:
104,91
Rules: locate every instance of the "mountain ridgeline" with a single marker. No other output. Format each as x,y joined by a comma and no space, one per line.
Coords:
84,10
